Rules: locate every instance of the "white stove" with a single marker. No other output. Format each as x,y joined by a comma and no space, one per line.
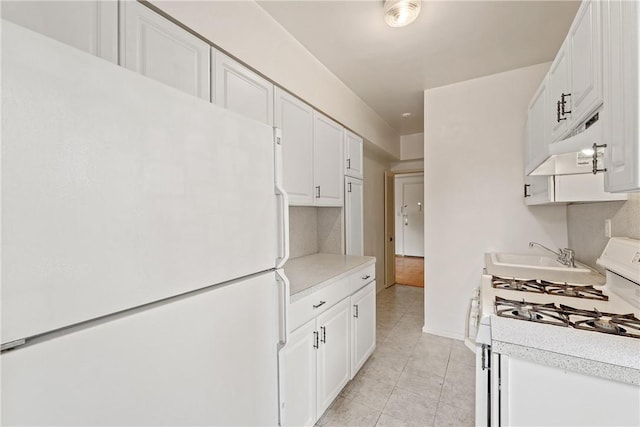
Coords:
606,315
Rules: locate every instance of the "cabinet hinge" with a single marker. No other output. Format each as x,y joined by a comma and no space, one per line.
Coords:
277,135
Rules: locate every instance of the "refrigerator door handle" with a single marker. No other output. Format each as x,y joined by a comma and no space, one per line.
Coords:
284,306
284,197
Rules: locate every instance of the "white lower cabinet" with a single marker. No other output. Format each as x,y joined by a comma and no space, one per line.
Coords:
568,398
315,366
298,377
325,352
363,326
333,367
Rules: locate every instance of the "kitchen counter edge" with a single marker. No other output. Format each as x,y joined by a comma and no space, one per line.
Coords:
309,274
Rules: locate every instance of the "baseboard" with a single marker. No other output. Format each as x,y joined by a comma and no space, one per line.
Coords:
443,333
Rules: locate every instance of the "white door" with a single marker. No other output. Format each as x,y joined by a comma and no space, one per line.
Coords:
334,363
354,221
353,154
559,85
298,377
586,61
295,119
159,49
328,170
363,326
209,358
410,215
241,90
91,25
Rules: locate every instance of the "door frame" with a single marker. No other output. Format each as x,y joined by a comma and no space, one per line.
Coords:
390,229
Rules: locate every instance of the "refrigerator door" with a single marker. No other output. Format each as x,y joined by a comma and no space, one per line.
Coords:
118,191
205,359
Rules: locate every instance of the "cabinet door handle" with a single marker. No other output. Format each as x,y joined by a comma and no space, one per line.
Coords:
365,277
319,305
526,192
558,112
348,163
563,102
324,335
317,191
349,190
315,340
594,158
356,312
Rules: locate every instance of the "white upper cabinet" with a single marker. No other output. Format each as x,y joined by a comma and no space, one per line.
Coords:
159,49
328,170
91,26
353,155
239,89
295,119
558,98
353,212
585,39
621,83
538,130
575,76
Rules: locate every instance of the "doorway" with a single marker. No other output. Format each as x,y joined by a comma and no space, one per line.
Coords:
404,222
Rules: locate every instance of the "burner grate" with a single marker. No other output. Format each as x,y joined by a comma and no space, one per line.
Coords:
545,287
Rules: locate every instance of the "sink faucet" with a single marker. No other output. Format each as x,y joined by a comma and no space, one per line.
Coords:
564,256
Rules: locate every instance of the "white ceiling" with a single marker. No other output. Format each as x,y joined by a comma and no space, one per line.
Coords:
451,41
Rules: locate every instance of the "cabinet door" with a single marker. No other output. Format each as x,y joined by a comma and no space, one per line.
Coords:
297,361
559,84
354,216
333,354
621,132
295,119
328,171
538,190
91,26
538,135
157,48
363,326
353,154
586,61
241,90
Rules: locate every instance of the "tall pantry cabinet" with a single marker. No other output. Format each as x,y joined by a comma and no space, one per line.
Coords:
354,194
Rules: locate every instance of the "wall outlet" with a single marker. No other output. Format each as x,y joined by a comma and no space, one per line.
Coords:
607,228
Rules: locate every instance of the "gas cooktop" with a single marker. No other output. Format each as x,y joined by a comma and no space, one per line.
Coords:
563,315
550,288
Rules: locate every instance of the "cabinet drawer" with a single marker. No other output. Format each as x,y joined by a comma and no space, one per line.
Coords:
362,277
312,305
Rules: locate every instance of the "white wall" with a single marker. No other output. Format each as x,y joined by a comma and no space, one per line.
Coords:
473,189
248,32
412,146
375,163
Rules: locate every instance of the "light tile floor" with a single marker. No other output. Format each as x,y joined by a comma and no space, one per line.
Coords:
412,378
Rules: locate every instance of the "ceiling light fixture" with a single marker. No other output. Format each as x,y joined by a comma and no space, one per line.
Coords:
398,13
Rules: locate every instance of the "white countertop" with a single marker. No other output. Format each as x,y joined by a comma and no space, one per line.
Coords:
310,273
603,355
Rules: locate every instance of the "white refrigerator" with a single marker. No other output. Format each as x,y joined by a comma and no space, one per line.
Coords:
142,234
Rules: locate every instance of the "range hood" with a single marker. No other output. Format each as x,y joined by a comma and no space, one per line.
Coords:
574,155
